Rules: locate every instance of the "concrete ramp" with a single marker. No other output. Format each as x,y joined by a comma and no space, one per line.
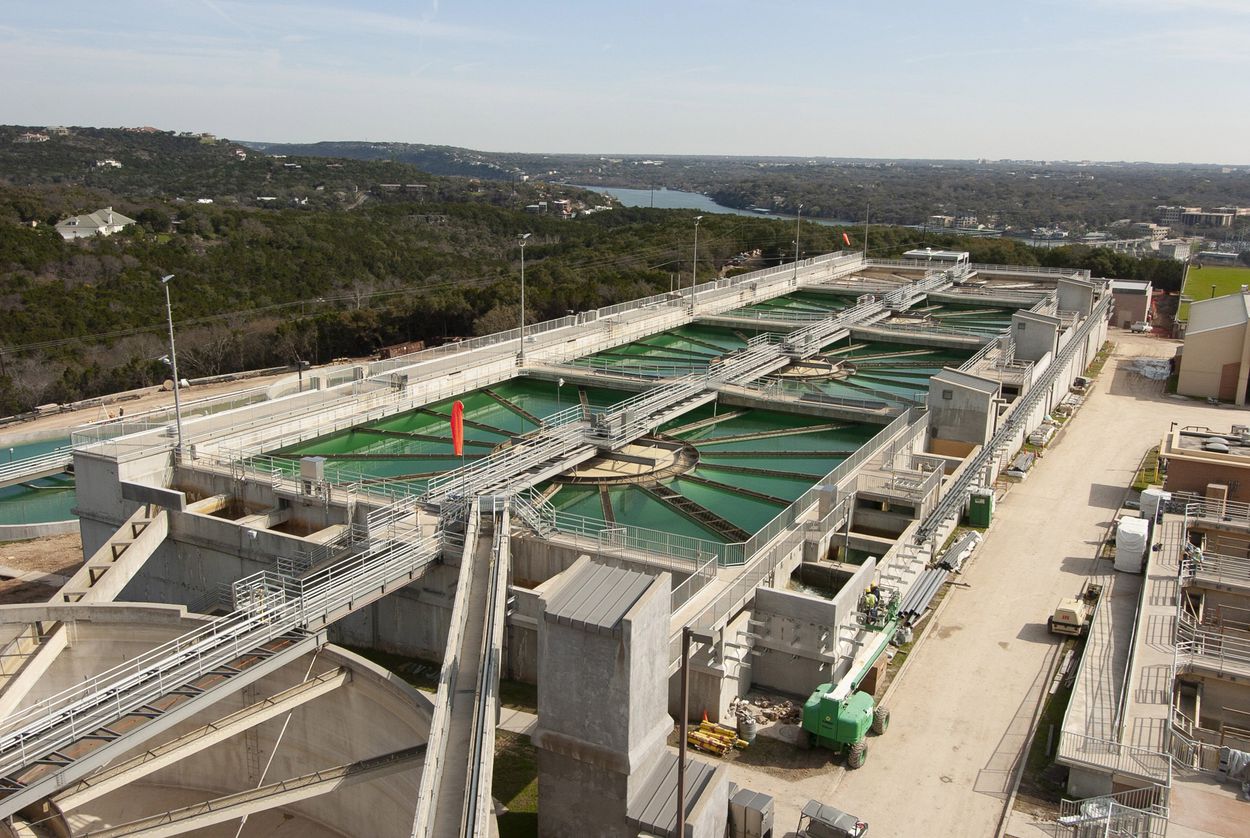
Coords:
461,749
103,576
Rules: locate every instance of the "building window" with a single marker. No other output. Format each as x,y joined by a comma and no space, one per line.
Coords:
1020,326
948,394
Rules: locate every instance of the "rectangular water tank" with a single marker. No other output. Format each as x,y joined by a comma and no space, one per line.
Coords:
312,468
1131,538
1153,499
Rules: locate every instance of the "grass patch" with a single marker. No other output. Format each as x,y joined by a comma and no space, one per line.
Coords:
1227,280
514,783
423,675
1100,360
1041,783
1148,475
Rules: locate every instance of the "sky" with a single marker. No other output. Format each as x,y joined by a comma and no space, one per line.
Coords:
1158,80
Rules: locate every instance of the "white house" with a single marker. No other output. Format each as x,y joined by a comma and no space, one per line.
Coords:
103,222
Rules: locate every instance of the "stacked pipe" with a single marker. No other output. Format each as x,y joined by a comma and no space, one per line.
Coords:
714,739
921,593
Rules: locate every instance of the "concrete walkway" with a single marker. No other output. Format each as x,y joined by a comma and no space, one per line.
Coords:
962,711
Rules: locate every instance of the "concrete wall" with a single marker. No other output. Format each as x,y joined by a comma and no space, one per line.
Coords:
602,720
967,416
374,713
800,639
1205,357
1075,295
1036,335
1130,308
1188,476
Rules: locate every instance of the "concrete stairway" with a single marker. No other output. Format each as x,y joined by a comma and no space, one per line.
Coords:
702,514
103,576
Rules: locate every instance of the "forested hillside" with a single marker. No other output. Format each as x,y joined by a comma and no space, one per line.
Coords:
337,266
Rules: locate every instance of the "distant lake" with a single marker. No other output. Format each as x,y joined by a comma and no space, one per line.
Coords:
676,199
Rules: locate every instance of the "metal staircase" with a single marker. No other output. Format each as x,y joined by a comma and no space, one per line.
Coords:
721,526
276,619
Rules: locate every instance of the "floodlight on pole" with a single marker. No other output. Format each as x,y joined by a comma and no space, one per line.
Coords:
694,265
521,355
173,364
798,219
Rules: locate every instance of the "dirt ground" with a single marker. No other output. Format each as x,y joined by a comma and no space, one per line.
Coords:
148,399
58,554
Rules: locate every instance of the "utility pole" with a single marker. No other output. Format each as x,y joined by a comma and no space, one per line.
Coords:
521,355
867,210
173,364
798,220
684,727
694,266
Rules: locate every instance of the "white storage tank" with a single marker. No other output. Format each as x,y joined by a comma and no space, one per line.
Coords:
1153,500
1131,537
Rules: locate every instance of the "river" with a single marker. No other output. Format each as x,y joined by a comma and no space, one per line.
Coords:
677,199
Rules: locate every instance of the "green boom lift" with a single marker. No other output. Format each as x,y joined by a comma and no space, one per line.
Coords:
838,716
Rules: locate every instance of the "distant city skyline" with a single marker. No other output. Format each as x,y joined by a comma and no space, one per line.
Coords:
1133,80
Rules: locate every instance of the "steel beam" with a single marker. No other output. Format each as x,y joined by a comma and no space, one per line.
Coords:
197,740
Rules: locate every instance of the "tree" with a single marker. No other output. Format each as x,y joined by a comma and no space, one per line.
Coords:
501,318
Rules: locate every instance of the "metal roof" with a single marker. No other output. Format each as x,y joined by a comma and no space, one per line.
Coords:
1218,313
653,807
597,597
831,815
949,375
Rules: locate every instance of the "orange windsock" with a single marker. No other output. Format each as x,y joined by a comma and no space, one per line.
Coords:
457,428
846,239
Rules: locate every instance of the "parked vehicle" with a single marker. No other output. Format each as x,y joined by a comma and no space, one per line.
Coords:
820,820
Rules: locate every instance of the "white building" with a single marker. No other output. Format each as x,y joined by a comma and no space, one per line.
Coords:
103,222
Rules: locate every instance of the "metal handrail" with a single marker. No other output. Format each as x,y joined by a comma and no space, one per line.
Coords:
58,457
1117,756
1217,567
276,606
1218,647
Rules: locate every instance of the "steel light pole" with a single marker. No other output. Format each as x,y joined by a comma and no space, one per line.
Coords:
521,239
798,219
694,266
173,363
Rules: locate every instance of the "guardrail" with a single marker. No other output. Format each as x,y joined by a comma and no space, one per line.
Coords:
107,429
772,388
478,818
1141,813
57,458
1216,568
1116,756
440,721
1219,510
1219,650
703,573
1029,269
982,353
781,315
908,328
